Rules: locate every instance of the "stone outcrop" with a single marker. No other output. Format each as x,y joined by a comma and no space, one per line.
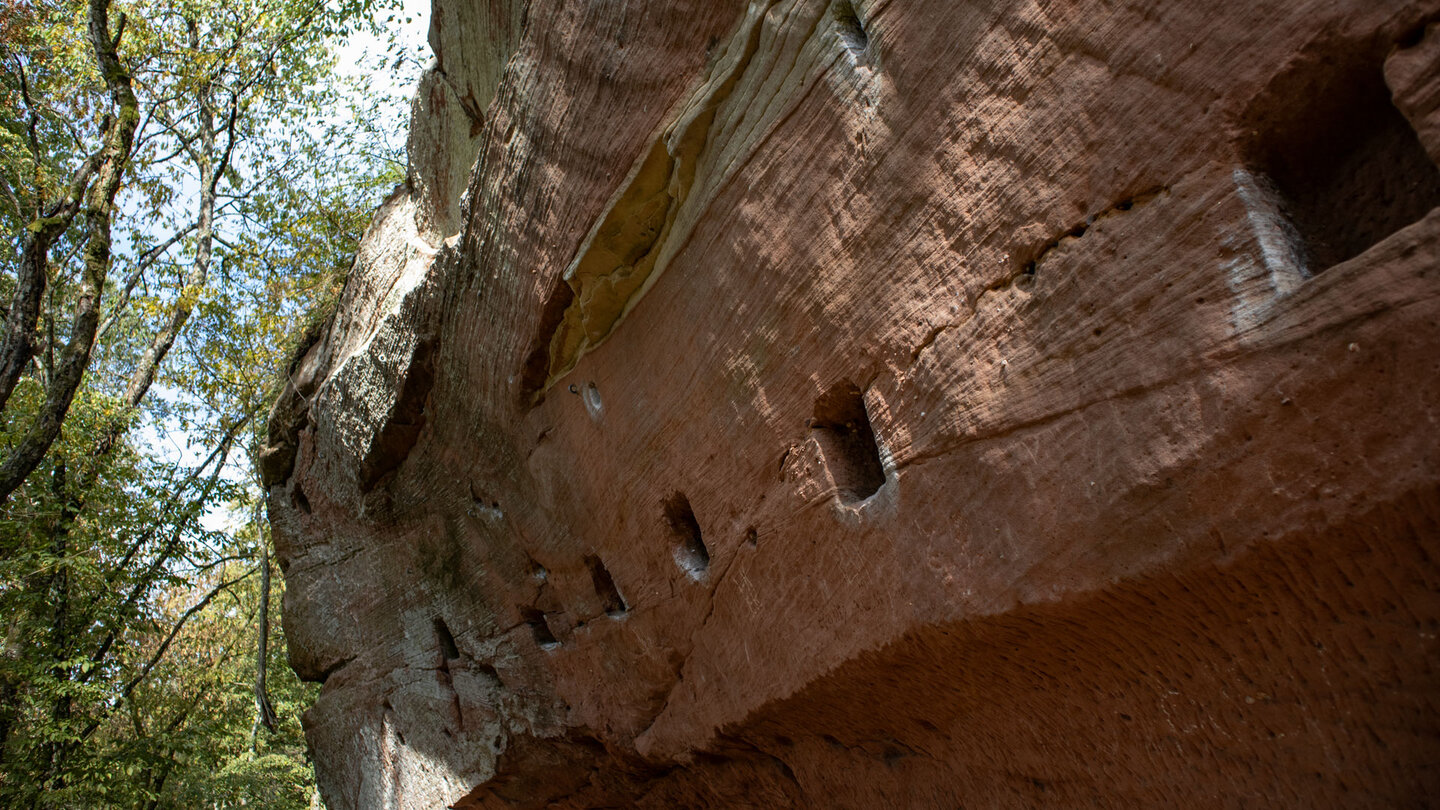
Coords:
885,403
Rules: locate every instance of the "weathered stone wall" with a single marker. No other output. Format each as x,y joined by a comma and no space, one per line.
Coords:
887,403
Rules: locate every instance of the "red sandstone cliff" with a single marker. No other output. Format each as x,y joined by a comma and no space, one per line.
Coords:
906,403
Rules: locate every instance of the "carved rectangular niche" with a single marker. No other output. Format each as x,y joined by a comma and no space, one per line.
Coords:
1346,166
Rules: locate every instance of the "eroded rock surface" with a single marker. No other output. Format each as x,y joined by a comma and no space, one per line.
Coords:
896,403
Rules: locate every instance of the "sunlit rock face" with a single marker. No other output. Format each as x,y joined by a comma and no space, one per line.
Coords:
872,403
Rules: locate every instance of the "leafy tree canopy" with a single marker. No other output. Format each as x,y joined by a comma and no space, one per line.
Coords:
182,187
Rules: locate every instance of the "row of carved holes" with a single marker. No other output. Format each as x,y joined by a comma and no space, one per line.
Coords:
1348,168
611,601
841,426
1358,150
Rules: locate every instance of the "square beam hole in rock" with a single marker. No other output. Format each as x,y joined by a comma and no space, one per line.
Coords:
690,552
842,427
1348,168
448,647
610,598
539,628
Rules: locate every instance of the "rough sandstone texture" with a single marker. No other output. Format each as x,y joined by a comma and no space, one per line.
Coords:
885,403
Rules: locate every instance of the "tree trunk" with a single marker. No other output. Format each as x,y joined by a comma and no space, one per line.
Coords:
264,711
99,206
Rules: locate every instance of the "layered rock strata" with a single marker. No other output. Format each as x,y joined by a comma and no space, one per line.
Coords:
887,403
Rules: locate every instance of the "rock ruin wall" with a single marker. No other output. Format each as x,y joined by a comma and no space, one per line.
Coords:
887,403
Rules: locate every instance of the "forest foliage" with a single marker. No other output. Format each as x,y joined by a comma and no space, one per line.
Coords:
183,184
